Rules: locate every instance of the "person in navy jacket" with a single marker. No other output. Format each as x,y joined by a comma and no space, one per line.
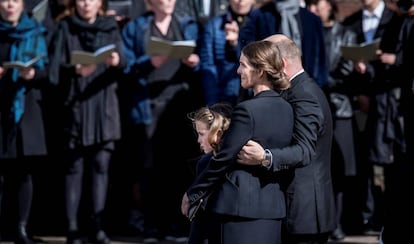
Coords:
219,53
159,88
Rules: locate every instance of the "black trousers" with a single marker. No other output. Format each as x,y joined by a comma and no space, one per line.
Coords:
233,229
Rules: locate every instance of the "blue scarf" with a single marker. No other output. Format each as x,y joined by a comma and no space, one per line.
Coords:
28,41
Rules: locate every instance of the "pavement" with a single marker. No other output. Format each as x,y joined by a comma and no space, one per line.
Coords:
358,239
353,239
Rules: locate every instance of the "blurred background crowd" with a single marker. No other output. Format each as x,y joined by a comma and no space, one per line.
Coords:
110,147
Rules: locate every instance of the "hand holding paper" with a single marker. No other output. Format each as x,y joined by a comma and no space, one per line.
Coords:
173,49
366,51
20,64
99,56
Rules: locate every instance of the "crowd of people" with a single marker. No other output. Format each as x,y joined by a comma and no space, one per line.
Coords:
264,133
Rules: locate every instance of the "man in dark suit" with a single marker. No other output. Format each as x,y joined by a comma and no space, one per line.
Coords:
398,201
299,24
309,194
380,142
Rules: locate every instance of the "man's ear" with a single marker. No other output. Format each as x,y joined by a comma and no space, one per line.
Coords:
285,64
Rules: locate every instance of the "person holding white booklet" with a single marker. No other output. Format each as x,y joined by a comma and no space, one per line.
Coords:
22,128
89,108
163,89
96,57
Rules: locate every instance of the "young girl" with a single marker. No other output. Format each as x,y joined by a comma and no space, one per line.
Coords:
210,123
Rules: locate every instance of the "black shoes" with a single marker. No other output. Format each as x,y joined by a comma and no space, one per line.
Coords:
22,237
338,234
100,238
368,228
151,235
98,235
74,237
74,241
24,240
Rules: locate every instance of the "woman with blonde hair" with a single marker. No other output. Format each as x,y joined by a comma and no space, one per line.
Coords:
210,124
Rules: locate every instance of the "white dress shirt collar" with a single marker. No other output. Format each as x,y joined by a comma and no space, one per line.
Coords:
377,11
298,73
371,20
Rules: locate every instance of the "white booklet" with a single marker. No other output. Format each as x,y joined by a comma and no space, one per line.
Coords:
366,51
173,49
84,57
21,65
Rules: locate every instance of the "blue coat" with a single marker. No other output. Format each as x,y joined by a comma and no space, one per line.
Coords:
139,65
218,63
22,102
265,21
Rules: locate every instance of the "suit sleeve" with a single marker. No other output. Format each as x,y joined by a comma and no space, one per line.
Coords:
238,134
308,122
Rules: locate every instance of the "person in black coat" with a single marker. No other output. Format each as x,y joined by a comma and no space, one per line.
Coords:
210,123
247,203
343,147
398,203
309,195
89,108
380,143
22,129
